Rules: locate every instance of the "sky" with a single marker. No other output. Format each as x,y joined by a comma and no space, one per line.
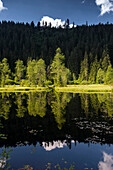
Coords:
57,11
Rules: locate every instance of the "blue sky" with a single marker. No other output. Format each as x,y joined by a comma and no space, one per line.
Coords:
79,11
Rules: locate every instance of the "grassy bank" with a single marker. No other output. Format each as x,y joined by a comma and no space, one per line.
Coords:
85,88
19,89
69,88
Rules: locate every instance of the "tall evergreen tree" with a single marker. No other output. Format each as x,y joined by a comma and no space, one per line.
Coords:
4,72
100,76
56,67
60,74
19,70
30,71
84,68
109,74
40,72
93,71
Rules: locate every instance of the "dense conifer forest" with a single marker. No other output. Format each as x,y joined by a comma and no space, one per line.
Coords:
62,55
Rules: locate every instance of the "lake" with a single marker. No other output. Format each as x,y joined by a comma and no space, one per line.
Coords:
48,130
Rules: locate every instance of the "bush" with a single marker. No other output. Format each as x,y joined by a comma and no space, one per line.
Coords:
76,82
48,82
84,82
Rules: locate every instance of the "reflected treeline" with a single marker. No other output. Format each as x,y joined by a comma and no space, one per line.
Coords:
19,101
37,104
97,103
5,105
58,105
28,118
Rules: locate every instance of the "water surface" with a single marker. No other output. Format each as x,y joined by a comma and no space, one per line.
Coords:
42,130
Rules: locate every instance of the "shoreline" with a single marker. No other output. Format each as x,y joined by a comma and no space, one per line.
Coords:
68,88
86,88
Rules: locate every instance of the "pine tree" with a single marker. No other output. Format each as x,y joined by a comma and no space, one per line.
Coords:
40,72
109,75
100,76
84,69
19,70
56,67
93,71
4,72
30,71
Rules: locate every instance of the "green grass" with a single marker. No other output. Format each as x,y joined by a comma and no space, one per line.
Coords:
69,88
19,89
85,88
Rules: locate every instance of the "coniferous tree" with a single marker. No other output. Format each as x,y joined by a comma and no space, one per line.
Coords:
109,75
93,71
56,67
40,72
100,76
84,69
105,63
19,71
59,72
65,75
4,72
30,71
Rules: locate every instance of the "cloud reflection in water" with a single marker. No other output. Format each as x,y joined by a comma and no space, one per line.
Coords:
107,163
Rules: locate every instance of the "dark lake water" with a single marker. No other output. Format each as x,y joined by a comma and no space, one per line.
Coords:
42,130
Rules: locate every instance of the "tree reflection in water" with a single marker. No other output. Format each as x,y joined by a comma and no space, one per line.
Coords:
48,117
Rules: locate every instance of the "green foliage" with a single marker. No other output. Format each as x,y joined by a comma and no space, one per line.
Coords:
56,67
93,71
100,76
84,69
5,105
30,71
4,72
59,73
109,75
105,62
20,108
36,72
37,104
26,167
4,156
48,82
19,71
58,104
40,72
72,167
84,82
41,42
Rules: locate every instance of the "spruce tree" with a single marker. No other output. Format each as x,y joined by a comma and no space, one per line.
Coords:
4,72
19,71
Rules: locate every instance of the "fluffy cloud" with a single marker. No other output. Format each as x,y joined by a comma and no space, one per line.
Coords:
1,6
106,6
107,163
56,144
54,22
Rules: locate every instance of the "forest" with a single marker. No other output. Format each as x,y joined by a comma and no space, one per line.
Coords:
35,55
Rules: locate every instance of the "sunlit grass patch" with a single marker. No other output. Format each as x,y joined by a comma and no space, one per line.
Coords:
86,88
18,88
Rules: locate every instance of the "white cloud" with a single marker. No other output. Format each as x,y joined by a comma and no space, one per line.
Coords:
56,144
54,22
2,162
107,163
106,6
1,6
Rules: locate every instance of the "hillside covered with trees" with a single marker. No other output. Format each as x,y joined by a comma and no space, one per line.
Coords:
78,55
